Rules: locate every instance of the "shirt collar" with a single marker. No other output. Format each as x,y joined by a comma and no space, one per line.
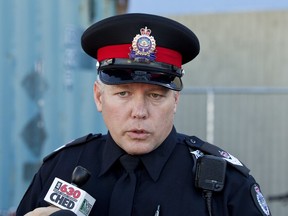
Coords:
111,153
153,161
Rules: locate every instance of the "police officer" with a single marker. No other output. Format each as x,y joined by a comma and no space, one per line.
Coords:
143,166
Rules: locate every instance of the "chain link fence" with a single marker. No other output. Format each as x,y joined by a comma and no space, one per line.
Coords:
249,122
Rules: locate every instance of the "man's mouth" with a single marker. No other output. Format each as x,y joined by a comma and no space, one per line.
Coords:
138,134
139,131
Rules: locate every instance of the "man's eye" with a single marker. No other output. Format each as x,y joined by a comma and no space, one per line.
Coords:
155,96
124,93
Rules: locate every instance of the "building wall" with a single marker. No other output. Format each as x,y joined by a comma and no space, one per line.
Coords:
238,89
239,49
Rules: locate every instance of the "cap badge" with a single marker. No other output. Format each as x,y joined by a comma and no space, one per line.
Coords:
143,47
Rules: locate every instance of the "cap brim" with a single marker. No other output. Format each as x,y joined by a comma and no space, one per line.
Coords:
126,76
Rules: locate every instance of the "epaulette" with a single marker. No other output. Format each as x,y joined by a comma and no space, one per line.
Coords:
78,141
205,147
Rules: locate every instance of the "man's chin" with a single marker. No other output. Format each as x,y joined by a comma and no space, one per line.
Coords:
138,149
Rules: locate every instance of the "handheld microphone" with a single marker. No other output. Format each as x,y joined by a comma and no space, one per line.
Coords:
68,196
63,213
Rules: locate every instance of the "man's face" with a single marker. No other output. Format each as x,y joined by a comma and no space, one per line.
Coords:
139,116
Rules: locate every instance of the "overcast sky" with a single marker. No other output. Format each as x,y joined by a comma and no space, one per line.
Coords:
204,6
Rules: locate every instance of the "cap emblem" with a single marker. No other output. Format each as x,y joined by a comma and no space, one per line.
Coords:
143,47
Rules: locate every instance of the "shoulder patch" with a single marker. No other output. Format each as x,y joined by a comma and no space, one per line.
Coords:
259,200
196,143
78,141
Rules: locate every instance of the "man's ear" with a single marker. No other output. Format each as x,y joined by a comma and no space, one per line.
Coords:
177,97
98,95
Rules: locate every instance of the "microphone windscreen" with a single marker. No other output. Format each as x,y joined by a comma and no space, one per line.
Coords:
63,213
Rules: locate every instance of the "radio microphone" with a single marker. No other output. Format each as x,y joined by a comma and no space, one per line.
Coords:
210,176
68,196
210,173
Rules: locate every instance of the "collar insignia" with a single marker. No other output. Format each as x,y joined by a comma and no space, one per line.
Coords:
143,47
230,158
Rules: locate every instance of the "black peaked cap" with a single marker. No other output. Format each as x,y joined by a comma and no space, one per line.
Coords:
121,29
154,57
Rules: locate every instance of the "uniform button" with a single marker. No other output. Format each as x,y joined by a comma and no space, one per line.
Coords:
192,141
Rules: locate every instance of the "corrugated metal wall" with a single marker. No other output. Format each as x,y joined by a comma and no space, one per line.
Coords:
243,63
46,85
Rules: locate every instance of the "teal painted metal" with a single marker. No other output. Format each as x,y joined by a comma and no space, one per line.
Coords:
7,73
46,85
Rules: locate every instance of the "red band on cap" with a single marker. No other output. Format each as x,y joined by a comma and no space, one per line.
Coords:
163,55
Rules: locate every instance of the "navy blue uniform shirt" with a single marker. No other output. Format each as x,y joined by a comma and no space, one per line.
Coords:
165,178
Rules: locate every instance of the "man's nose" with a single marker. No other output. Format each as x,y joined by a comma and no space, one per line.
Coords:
140,108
